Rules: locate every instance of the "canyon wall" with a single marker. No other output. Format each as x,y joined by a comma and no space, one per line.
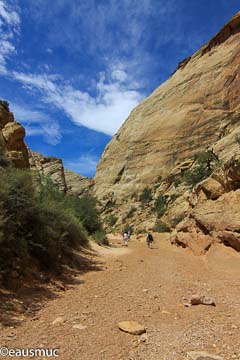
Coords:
194,109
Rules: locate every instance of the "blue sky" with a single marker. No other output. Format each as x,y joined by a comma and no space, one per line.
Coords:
72,70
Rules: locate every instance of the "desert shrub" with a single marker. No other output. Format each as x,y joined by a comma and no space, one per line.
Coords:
112,220
160,205
161,227
158,182
128,228
177,182
85,211
5,104
205,163
237,138
196,175
35,224
173,197
100,237
4,162
131,212
146,196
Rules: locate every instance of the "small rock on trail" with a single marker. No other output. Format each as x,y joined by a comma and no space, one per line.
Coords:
202,355
132,327
201,300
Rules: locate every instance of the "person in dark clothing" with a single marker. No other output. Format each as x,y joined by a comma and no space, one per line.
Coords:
149,240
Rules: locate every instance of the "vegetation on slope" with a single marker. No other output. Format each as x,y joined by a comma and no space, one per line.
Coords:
39,224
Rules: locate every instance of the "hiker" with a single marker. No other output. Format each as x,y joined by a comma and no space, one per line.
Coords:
125,238
149,240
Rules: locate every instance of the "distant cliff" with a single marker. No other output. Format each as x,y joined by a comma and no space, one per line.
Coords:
13,147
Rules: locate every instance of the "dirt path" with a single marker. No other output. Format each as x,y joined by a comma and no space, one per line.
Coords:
149,286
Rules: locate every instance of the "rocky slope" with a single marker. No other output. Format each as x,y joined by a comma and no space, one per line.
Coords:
12,135
195,108
196,112
78,185
50,167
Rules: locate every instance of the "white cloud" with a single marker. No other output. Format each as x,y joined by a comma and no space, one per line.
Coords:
84,165
9,26
104,112
38,123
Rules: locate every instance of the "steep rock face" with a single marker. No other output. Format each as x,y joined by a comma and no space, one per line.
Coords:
78,185
196,108
49,166
12,139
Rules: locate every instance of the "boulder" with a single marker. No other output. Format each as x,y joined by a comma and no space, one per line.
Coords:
221,218
212,188
12,139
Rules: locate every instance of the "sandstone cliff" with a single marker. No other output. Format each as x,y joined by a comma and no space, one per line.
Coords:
78,185
195,108
12,135
50,167
13,147
194,115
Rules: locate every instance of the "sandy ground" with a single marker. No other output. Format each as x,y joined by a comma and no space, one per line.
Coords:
148,286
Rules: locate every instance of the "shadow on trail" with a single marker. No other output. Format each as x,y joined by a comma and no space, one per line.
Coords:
22,297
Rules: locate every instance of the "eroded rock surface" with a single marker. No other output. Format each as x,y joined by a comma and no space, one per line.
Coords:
194,109
50,167
78,185
12,139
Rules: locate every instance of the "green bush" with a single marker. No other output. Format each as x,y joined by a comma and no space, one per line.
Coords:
40,226
100,237
158,182
205,163
194,176
131,212
128,228
177,182
237,138
161,227
112,220
85,211
146,196
4,162
160,205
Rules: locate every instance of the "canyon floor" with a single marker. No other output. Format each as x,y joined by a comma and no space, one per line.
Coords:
149,286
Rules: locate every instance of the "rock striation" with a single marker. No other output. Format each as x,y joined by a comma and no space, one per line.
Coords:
197,107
